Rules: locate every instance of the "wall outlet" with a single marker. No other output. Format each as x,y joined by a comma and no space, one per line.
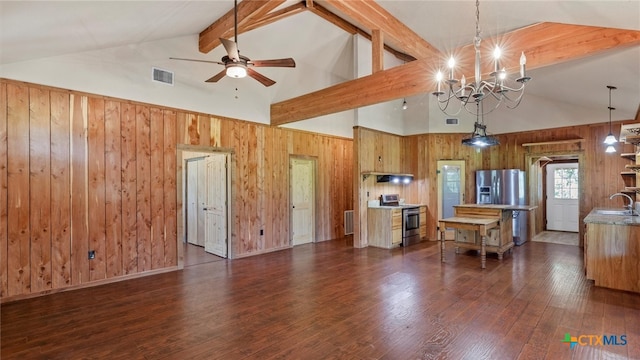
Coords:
261,232
92,254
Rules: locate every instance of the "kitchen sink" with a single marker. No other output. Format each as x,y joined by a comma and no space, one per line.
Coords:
620,212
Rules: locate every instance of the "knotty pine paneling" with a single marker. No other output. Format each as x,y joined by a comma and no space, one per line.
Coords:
110,165
3,191
170,183
97,186
60,191
18,214
79,150
40,178
113,190
128,197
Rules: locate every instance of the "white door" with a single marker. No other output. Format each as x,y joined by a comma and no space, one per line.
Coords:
215,208
192,201
302,200
451,185
562,197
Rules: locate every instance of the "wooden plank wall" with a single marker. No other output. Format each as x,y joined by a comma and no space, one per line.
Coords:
81,172
377,152
600,171
77,174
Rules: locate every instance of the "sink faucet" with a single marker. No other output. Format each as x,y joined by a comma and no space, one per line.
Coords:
630,206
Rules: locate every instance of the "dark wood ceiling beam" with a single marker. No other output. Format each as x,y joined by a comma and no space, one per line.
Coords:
373,16
544,44
248,10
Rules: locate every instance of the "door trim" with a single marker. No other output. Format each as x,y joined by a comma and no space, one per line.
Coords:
536,194
184,152
463,188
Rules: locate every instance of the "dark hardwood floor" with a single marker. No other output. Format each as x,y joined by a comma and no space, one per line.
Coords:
328,300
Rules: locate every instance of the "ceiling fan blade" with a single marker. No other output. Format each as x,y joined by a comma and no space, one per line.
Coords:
263,79
288,62
217,76
204,61
232,49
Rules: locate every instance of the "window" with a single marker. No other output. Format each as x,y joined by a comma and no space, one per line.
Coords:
565,184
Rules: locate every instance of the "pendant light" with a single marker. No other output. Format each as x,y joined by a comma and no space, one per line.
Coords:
610,139
404,104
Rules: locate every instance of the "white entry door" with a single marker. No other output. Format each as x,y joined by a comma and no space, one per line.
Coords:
302,200
215,208
451,185
562,197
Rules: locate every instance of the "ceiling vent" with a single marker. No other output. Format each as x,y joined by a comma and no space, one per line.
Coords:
451,121
162,76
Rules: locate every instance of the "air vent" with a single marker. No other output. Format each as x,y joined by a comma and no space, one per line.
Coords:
162,76
451,122
348,222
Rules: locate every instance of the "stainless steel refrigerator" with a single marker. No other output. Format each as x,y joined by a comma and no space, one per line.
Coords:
507,187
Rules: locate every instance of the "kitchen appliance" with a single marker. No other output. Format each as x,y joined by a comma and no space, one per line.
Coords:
410,218
505,187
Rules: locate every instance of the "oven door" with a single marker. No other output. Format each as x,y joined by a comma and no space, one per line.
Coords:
411,222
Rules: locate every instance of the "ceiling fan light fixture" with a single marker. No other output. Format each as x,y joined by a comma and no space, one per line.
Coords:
236,71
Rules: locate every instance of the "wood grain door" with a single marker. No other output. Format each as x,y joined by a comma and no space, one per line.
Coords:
215,208
451,185
302,191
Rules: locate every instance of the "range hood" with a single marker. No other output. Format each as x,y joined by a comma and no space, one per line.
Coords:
394,178
384,177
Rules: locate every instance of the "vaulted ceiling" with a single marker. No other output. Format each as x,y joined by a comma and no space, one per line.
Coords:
574,48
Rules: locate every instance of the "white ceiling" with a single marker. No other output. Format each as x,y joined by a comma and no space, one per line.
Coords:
32,32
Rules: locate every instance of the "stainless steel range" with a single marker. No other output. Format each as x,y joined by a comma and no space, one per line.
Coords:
410,218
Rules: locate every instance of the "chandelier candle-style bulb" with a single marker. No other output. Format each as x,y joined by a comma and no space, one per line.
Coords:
463,83
496,56
498,88
451,63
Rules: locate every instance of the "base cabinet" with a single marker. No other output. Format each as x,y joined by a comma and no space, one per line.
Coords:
384,227
612,256
423,222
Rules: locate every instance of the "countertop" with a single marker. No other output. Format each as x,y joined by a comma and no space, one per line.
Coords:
594,218
497,206
405,206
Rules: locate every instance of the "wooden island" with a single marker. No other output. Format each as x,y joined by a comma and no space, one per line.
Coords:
492,226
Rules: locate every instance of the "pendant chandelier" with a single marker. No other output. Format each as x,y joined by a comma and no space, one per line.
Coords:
610,139
479,90
479,137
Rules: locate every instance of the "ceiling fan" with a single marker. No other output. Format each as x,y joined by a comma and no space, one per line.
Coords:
239,66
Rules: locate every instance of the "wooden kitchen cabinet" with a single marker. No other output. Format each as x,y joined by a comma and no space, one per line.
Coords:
611,252
423,222
385,227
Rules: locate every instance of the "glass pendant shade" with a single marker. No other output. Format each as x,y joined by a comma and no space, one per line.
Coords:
610,149
610,139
